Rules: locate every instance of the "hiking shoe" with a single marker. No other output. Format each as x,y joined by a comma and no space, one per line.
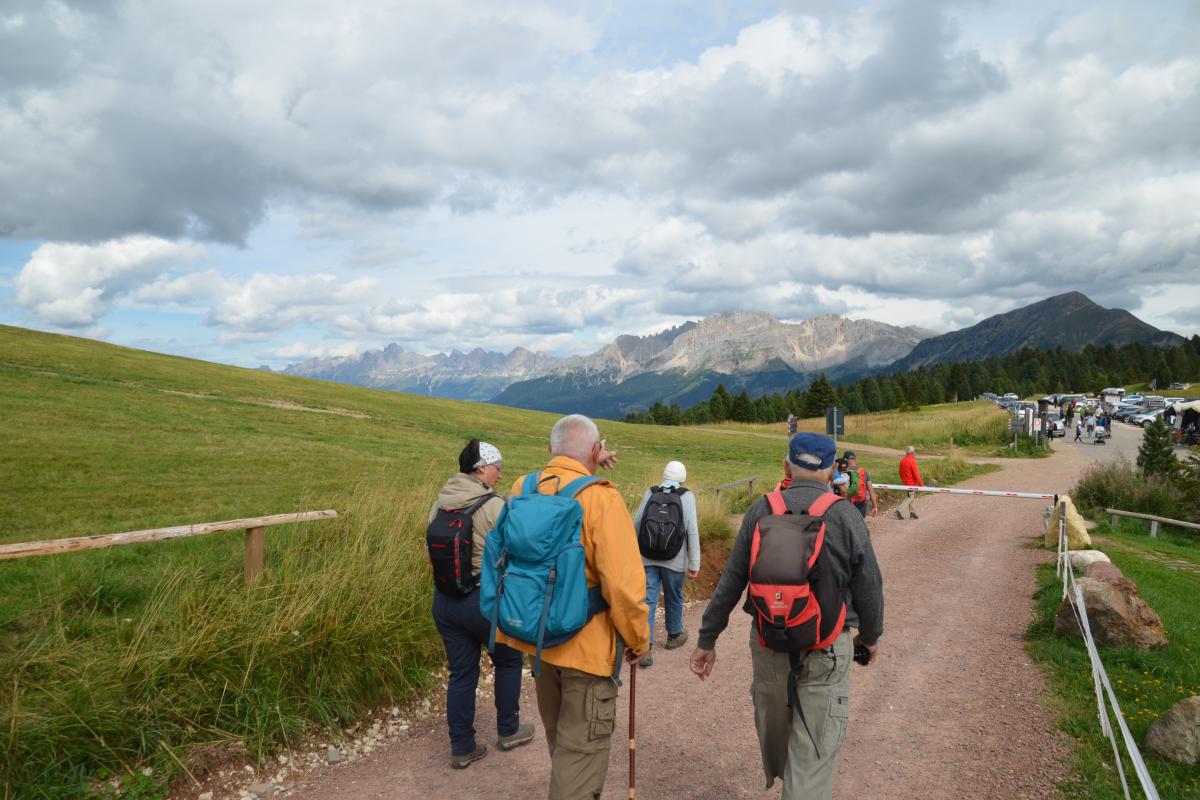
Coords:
464,761
524,735
898,515
676,640
912,515
648,659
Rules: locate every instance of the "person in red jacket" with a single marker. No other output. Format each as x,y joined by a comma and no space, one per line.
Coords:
910,475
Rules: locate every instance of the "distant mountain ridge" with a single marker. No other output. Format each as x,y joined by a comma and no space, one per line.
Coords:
743,348
1069,320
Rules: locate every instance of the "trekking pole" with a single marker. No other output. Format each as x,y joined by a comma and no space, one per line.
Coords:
632,740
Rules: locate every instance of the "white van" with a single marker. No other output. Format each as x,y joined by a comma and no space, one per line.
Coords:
1154,401
1113,395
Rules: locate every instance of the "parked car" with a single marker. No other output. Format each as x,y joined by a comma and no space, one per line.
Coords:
1009,396
1137,399
1178,385
1123,413
1142,420
1055,425
1155,401
1173,400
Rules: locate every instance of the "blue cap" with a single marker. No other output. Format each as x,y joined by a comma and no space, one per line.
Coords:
812,451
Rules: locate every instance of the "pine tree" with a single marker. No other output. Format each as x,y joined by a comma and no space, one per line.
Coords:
819,397
871,395
742,410
855,404
1156,456
720,404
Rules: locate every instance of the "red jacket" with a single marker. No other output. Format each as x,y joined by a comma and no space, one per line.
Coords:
909,474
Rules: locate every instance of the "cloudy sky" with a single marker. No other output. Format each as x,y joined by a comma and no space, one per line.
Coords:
262,182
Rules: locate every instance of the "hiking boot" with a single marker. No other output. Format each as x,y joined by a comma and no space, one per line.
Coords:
524,735
648,659
676,640
898,515
912,515
464,761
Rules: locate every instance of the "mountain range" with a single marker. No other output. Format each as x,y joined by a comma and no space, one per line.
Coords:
743,349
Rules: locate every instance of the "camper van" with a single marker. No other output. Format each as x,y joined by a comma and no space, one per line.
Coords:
1113,395
1154,401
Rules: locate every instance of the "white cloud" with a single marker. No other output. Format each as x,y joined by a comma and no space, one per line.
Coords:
187,290
74,285
267,303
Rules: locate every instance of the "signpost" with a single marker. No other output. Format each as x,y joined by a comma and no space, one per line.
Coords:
835,422
792,425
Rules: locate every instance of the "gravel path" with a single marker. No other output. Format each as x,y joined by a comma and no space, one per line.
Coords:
953,708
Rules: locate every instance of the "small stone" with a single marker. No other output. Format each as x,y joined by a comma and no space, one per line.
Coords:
148,771
205,796
333,755
283,759
262,790
395,711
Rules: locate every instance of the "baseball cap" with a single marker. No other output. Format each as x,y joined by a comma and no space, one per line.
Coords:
849,454
811,451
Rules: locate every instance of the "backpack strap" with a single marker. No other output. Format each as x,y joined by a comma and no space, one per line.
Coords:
822,504
578,485
478,504
530,485
775,500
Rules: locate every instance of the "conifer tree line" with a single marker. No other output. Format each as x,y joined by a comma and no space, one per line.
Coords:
1028,372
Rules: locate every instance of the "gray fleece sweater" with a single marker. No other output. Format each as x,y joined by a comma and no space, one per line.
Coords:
851,559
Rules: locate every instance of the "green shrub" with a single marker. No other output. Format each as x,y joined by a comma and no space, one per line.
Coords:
1117,484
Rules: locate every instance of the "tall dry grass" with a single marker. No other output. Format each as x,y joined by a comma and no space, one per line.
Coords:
969,424
339,623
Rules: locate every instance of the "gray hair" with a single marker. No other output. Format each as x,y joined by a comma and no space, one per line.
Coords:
910,449
573,436
811,469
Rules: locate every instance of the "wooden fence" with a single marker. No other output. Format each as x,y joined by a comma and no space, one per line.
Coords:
255,528
718,489
1154,521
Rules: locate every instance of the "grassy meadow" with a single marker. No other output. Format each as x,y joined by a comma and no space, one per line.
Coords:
978,426
155,654
1146,683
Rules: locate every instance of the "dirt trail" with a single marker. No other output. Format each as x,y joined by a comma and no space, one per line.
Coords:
953,708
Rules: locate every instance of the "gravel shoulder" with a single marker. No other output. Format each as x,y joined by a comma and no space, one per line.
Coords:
952,708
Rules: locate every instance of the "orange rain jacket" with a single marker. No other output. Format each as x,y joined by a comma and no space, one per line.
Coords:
910,474
614,562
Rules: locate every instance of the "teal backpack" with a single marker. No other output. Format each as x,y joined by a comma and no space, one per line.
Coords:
533,585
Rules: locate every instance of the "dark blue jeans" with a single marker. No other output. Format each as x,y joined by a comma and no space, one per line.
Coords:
464,630
672,591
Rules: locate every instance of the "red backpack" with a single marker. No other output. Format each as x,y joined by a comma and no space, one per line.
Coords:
798,606
861,494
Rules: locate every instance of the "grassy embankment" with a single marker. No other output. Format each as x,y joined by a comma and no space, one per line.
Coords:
151,654
1146,683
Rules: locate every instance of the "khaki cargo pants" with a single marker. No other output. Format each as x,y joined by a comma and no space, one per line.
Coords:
578,711
824,689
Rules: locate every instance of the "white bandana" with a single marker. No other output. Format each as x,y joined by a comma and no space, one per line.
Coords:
488,454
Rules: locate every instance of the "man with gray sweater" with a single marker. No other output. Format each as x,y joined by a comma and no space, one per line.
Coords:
802,746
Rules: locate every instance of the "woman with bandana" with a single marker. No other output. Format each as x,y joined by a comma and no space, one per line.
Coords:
464,629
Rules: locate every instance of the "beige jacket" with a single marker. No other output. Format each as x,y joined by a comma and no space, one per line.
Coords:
461,491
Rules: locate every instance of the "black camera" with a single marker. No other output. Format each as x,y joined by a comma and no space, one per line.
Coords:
862,655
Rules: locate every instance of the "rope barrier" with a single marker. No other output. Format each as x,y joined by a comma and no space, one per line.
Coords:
1103,689
975,492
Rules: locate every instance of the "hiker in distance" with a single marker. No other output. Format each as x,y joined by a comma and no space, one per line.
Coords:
669,540
862,491
801,667
910,475
466,509
563,581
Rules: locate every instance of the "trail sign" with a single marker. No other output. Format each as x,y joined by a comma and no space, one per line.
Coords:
792,425
835,421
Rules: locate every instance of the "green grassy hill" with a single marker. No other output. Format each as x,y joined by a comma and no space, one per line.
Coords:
147,654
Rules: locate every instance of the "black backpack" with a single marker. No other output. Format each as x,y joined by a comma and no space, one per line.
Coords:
661,534
450,545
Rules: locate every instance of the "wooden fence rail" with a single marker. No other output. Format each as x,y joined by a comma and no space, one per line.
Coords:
255,528
1153,520
718,489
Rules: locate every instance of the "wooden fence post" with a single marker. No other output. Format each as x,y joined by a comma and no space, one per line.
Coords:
255,539
1113,522
752,486
1153,528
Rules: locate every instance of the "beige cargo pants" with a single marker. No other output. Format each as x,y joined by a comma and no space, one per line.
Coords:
578,711
824,689
908,504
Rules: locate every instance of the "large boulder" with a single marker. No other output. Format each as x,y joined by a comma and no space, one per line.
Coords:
1116,614
1103,571
1081,560
1175,735
1077,535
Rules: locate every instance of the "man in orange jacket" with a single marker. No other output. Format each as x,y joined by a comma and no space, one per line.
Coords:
910,475
577,690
